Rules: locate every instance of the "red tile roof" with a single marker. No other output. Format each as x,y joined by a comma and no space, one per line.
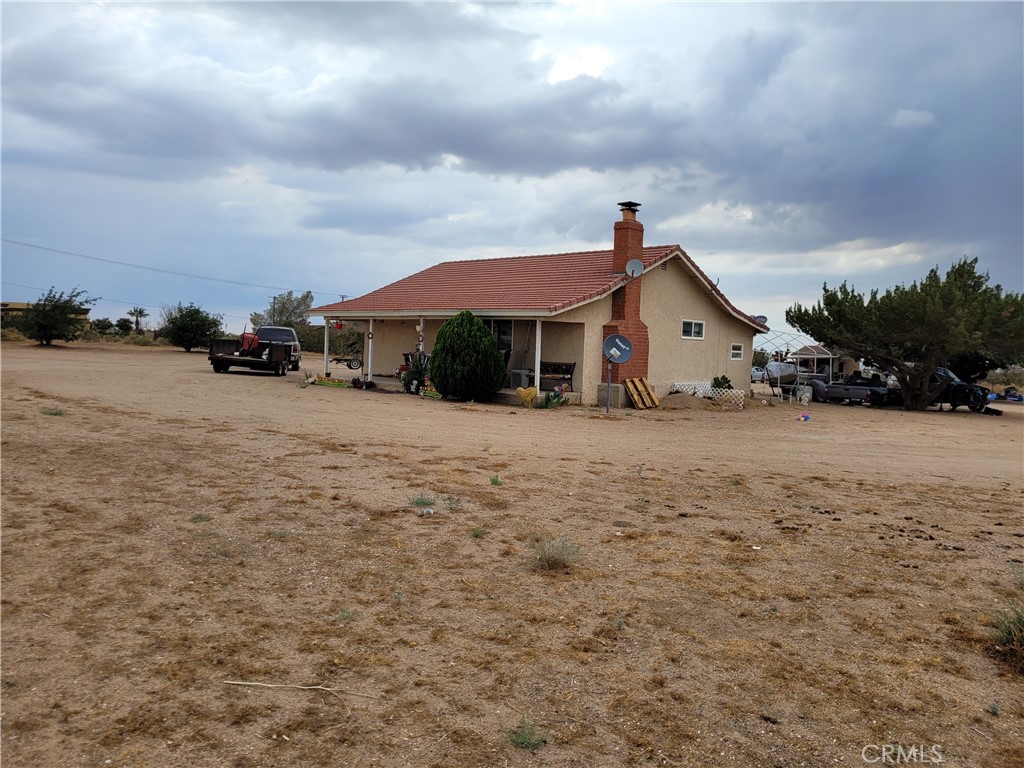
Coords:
523,285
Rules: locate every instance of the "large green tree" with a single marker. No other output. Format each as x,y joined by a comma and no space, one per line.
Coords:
56,316
911,330
285,309
190,326
465,363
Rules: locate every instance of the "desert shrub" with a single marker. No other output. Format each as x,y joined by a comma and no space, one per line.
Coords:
12,334
465,363
1009,636
721,382
422,500
556,554
1008,629
414,377
139,341
527,735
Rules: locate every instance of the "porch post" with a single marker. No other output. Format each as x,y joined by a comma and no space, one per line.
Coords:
536,357
327,333
368,362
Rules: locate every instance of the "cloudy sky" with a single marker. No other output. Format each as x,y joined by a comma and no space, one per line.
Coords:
339,146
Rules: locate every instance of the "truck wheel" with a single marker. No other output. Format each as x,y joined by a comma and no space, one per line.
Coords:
355,363
295,365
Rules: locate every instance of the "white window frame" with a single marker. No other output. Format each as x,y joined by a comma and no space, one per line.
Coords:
692,337
736,347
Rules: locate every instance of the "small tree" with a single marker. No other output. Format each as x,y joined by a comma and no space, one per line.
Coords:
102,325
189,326
56,316
124,326
137,313
465,363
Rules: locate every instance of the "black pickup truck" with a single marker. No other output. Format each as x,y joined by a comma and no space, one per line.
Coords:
271,348
947,387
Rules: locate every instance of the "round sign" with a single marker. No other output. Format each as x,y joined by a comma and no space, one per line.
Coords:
618,349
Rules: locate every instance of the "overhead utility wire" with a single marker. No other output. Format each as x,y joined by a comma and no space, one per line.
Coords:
164,271
110,301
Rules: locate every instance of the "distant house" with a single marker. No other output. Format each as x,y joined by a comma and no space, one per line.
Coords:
11,310
561,307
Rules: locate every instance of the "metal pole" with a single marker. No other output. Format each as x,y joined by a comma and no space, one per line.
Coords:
327,346
608,398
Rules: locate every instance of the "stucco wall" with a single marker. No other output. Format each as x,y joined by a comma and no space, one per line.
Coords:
588,321
391,338
671,295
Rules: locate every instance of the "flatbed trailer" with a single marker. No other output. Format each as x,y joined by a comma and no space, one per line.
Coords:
352,361
272,356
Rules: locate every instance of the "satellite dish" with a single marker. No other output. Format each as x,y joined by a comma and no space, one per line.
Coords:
634,268
618,349
761,319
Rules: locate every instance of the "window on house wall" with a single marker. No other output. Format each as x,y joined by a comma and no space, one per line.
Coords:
693,329
736,352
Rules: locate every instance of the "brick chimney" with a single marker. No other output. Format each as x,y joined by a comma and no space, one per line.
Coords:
629,237
625,319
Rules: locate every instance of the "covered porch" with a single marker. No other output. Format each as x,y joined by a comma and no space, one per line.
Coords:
537,352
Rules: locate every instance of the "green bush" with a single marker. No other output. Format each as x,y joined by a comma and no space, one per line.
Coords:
721,382
465,363
56,317
189,326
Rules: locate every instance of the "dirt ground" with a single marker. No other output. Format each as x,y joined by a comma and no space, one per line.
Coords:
750,589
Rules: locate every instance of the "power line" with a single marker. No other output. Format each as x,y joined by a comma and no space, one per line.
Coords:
112,301
161,270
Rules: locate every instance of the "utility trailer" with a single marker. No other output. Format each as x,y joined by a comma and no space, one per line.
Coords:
272,356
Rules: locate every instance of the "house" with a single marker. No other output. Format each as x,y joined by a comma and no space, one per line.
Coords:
561,307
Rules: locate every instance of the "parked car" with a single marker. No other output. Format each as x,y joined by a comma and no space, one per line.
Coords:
756,375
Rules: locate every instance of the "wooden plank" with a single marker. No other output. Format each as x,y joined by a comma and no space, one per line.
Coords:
634,394
650,392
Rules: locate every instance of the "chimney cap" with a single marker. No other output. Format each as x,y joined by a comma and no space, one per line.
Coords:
629,205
